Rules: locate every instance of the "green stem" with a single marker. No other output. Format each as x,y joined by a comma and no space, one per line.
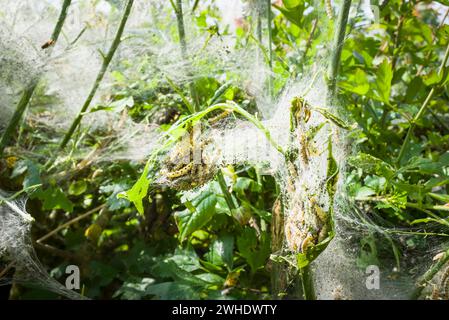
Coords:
28,92
421,111
397,39
182,39
308,290
61,20
428,207
408,204
224,188
420,285
195,5
106,60
259,26
309,39
339,36
270,47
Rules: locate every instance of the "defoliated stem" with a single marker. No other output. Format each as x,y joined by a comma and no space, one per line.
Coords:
270,47
181,27
18,113
421,111
182,39
106,60
28,92
61,20
337,47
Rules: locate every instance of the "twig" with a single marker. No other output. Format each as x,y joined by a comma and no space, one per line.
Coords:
106,60
182,39
339,36
58,252
270,47
421,110
309,39
195,5
397,40
68,223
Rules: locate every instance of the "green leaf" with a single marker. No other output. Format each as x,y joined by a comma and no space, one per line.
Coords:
247,207
364,192
77,188
189,221
357,83
384,75
427,166
221,251
134,289
205,88
182,276
441,197
290,4
113,201
243,183
303,259
376,183
138,191
55,198
186,259
372,165
211,278
294,14
255,251
431,78
172,291
32,176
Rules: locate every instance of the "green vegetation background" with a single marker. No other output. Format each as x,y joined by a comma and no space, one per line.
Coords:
181,249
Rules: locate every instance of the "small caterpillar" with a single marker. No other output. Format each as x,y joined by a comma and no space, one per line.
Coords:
329,11
181,172
319,212
219,117
435,293
306,242
304,149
